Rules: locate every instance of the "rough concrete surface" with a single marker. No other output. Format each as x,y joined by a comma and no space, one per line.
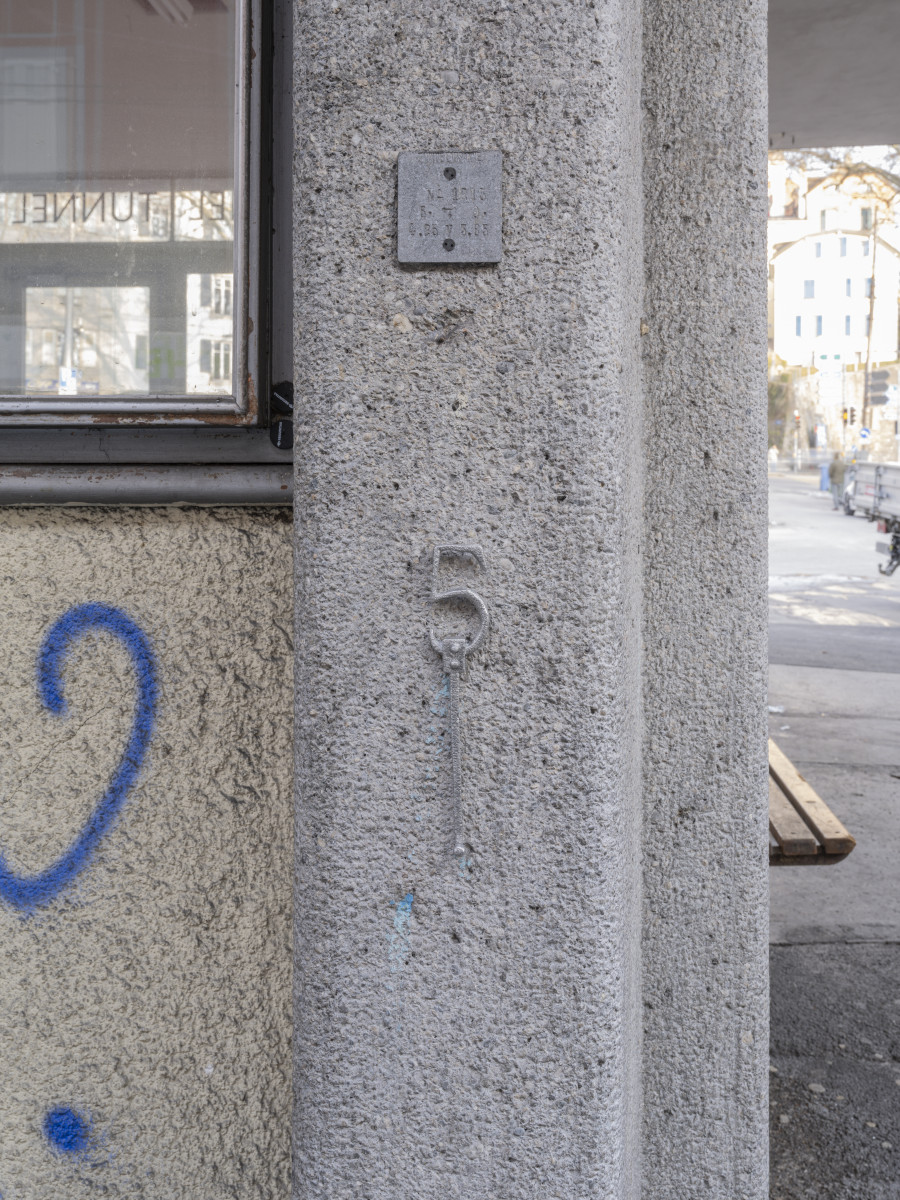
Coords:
468,1028
144,1006
705,790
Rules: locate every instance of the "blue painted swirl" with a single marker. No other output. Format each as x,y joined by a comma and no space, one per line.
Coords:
29,891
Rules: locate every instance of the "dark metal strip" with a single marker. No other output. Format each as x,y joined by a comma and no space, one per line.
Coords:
142,485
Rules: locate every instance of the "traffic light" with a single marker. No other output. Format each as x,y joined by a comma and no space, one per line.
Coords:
844,415
878,386
796,417
852,415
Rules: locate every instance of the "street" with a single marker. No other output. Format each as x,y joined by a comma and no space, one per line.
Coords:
834,697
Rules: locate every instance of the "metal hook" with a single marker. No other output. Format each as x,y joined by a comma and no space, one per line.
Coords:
454,650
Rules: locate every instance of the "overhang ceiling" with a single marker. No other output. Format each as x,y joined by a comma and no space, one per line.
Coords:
834,73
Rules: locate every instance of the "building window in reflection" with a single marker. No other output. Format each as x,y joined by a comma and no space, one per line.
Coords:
87,340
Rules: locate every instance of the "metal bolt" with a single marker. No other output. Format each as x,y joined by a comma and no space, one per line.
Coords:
449,172
449,244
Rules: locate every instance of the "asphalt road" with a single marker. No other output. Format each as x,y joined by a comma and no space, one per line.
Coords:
834,683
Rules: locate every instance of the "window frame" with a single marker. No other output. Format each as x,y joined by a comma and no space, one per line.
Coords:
246,406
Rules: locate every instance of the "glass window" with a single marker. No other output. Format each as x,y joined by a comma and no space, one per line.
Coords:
843,247
868,324
124,169
865,218
865,248
868,287
809,289
818,249
822,219
848,288
846,326
818,326
798,325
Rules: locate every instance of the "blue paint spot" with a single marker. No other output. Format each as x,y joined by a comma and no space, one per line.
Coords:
26,892
67,1131
398,951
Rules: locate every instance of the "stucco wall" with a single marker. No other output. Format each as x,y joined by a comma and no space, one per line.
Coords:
144,996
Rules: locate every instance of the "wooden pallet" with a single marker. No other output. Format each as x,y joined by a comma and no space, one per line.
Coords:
803,831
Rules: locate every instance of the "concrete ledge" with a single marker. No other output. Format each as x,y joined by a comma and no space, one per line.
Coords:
188,485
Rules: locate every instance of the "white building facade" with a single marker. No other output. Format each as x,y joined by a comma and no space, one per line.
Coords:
822,290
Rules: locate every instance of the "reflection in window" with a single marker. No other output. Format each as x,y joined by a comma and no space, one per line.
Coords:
116,192
209,333
86,340
215,359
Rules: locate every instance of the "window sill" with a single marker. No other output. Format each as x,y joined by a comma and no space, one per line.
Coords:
209,485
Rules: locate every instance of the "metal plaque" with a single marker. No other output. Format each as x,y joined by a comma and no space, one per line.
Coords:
449,207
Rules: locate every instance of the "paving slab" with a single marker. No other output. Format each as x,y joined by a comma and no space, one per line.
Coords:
823,691
835,1081
863,741
861,649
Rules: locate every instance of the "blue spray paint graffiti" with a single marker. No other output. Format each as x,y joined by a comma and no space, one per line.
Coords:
398,952
67,1131
26,892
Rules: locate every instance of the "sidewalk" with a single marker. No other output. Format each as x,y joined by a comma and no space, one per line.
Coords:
835,931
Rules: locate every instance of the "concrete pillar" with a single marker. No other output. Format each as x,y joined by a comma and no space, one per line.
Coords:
472,1026
705,951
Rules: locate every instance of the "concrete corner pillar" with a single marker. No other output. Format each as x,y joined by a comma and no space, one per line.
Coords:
705,944
471,1025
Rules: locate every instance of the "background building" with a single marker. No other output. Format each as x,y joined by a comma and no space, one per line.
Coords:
834,300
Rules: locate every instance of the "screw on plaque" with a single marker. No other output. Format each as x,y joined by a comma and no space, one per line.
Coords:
454,650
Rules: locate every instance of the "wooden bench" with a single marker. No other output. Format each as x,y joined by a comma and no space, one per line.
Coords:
803,831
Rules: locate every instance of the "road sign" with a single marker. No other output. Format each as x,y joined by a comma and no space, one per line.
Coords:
864,435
